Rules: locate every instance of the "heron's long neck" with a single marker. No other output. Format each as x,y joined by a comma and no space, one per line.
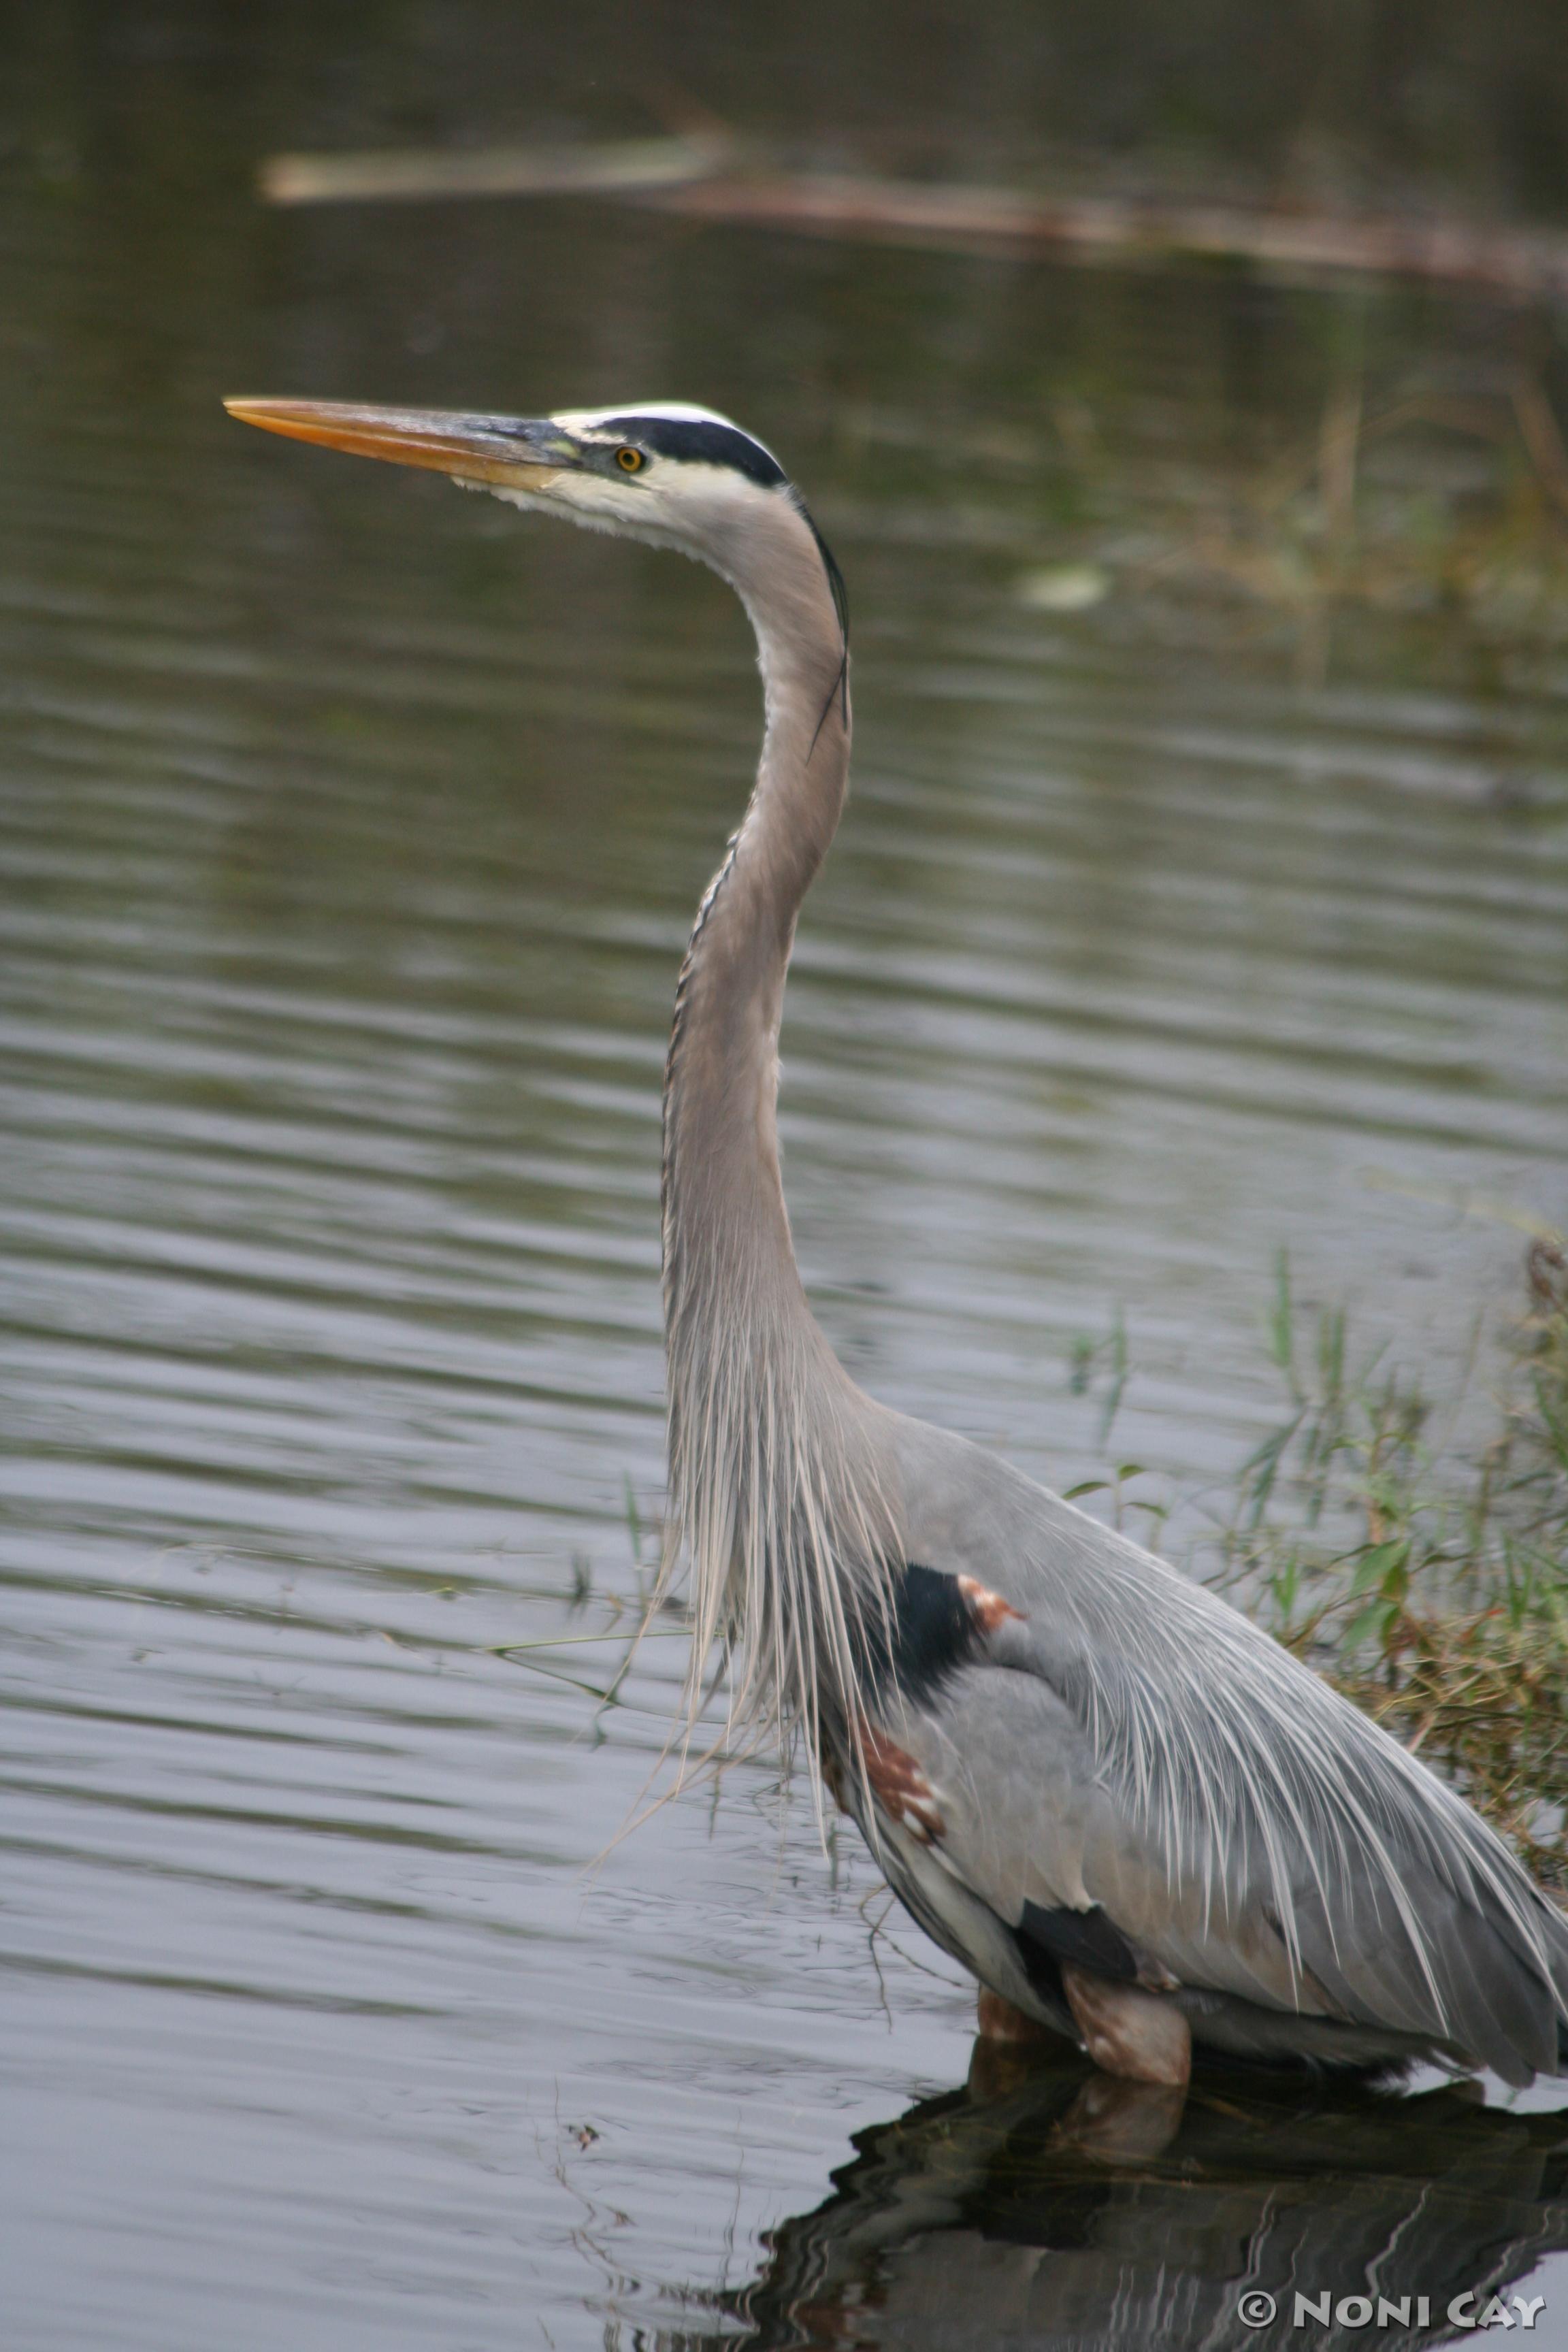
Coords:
728,1266
774,1494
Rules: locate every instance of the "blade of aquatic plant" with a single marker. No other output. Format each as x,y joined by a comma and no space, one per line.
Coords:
1085,1359
575,1640
522,1653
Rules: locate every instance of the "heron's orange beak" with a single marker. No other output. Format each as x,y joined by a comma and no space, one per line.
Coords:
509,452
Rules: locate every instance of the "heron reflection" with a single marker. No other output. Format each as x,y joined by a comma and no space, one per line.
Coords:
1048,2206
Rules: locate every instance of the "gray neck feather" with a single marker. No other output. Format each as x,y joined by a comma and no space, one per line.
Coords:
775,1499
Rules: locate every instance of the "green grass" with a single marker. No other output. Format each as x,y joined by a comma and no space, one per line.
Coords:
1430,1585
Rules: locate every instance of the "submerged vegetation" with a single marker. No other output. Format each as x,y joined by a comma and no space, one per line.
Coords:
1430,1585
1433,497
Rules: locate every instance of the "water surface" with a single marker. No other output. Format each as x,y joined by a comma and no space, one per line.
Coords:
349,832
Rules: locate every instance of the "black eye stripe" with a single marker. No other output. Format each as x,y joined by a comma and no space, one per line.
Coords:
702,441
726,445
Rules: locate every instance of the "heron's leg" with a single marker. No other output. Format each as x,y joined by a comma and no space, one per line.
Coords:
1120,2122
997,2020
1141,2036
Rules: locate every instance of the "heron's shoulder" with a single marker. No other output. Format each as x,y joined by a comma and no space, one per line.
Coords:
1180,1689
1114,1628
971,1512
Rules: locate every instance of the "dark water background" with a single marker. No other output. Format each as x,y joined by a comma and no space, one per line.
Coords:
349,832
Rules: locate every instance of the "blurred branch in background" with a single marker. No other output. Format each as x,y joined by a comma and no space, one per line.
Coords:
1521,264
698,176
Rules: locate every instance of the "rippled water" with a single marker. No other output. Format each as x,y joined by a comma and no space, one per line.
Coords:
349,832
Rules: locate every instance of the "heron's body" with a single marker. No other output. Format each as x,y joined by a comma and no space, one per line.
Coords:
1135,1818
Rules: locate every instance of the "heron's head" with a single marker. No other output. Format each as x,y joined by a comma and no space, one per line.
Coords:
663,471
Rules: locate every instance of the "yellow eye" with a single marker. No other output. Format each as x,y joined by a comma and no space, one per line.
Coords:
629,460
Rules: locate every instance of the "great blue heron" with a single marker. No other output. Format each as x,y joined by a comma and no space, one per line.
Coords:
1132,1816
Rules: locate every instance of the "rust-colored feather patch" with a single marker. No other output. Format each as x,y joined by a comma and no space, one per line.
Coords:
900,1786
990,1612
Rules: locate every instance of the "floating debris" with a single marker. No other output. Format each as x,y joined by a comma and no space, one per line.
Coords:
1064,587
419,175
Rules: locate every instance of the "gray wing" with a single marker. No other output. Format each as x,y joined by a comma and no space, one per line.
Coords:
1120,1742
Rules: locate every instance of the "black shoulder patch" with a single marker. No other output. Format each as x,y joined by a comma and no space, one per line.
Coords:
931,1633
1083,1939
701,440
